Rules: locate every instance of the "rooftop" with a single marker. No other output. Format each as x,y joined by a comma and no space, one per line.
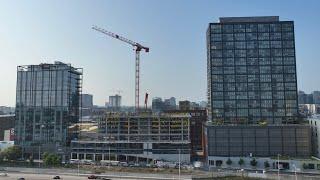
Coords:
249,19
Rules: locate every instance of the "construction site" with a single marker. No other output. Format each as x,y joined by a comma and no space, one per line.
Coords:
136,138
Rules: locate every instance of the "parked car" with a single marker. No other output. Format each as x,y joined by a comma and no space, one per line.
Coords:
92,177
3,174
56,177
21,178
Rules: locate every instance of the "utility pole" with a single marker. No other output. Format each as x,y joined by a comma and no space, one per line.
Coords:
278,167
179,165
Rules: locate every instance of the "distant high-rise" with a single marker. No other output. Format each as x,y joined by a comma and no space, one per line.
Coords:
316,97
252,71
87,101
115,101
47,103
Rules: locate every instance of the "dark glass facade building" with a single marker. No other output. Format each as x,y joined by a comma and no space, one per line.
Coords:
252,71
47,103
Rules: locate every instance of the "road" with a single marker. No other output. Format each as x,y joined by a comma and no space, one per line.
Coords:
45,174
15,176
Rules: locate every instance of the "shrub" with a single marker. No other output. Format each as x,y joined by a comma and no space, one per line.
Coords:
229,162
241,162
266,164
253,162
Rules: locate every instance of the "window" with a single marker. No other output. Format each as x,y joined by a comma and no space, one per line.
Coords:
241,69
240,61
240,36
227,28
216,53
264,61
289,69
216,37
276,60
240,53
288,44
263,27
228,70
229,78
228,62
227,37
251,36
287,36
288,52
252,44
239,28
252,52
276,52
253,69
216,62
264,52
275,44
251,28
264,44
228,45
287,27
275,27
275,36
263,36
252,61
240,45
265,69
228,53
216,28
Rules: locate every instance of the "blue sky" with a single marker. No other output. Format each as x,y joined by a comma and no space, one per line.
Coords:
33,32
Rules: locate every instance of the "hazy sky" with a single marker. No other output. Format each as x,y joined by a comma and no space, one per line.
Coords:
33,32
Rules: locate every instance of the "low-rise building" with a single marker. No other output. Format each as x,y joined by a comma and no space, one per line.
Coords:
142,137
314,122
6,122
224,141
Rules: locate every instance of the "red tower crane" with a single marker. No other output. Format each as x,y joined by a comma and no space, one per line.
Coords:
137,48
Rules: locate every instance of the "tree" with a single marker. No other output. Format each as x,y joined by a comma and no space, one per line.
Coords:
254,162
229,162
51,159
12,153
31,161
266,164
241,162
305,166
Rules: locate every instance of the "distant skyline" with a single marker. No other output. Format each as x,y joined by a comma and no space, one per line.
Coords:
33,32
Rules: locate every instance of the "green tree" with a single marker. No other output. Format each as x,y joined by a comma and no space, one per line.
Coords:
31,162
51,159
254,162
229,162
241,162
266,164
12,153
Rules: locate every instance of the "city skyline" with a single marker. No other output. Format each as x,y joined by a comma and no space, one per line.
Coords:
44,32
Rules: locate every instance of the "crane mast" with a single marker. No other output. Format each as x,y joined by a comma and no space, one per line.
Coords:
137,47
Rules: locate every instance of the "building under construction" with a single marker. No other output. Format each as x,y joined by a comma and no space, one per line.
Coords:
133,137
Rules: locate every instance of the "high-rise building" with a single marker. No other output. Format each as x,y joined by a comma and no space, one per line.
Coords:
115,101
252,71
316,97
252,90
87,101
47,103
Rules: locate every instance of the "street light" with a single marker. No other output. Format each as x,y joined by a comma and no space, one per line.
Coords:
295,171
278,167
42,126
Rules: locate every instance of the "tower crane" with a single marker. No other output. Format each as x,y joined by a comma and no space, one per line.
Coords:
137,48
